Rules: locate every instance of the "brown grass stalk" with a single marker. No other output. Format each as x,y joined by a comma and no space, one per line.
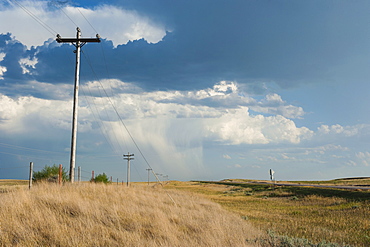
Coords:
111,215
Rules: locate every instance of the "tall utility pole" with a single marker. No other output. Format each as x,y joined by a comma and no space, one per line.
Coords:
128,158
149,169
78,42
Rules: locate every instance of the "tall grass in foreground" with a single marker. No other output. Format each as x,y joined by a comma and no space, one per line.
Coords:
109,215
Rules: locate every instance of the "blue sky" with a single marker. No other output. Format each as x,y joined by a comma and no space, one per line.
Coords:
207,89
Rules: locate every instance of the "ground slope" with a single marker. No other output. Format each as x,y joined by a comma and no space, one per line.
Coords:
112,215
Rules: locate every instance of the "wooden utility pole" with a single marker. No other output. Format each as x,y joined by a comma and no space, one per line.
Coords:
128,158
149,169
78,42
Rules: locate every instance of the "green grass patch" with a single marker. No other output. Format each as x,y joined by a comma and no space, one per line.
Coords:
319,216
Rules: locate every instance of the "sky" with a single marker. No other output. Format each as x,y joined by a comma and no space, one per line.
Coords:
196,90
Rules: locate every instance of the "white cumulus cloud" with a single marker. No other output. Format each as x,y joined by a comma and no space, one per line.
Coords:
238,126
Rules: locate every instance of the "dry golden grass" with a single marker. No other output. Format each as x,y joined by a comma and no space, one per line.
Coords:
111,215
7,185
314,217
13,182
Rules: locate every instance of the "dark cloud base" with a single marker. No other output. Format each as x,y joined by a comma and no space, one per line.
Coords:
244,41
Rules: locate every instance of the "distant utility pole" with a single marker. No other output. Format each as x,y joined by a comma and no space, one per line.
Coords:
128,158
78,42
149,169
272,172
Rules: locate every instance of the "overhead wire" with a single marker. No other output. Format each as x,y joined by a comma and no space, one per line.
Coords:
107,115
74,23
101,45
28,156
102,125
116,111
26,148
89,59
101,122
38,20
87,20
113,106
53,32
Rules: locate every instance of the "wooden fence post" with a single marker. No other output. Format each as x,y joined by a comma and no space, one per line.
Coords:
79,174
31,175
60,176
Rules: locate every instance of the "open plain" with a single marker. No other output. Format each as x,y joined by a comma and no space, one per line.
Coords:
195,213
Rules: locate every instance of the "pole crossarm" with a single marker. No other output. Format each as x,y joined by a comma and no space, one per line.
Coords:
128,157
78,41
74,40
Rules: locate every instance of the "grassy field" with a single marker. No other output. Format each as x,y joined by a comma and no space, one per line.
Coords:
304,214
113,215
262,214
7,185
12,182
359,181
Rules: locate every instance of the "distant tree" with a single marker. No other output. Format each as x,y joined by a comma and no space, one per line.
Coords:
50,173
101,178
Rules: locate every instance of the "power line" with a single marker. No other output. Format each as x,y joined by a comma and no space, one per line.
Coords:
52,31
100,123
26,148
86,20
16,167
28,156
74,23
38,20
107,115
121,120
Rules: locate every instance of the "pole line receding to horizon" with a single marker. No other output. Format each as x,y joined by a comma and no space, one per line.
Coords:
78,42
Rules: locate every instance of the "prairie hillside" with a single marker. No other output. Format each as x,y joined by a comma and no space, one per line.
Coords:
112,215
294,216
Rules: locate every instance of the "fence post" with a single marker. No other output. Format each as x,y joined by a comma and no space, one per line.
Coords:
92,176
31,175
79,174
60,176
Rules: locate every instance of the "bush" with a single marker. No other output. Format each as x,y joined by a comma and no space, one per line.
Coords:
101,178
50,173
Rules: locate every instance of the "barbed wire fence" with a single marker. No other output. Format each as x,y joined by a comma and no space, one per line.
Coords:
82,175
